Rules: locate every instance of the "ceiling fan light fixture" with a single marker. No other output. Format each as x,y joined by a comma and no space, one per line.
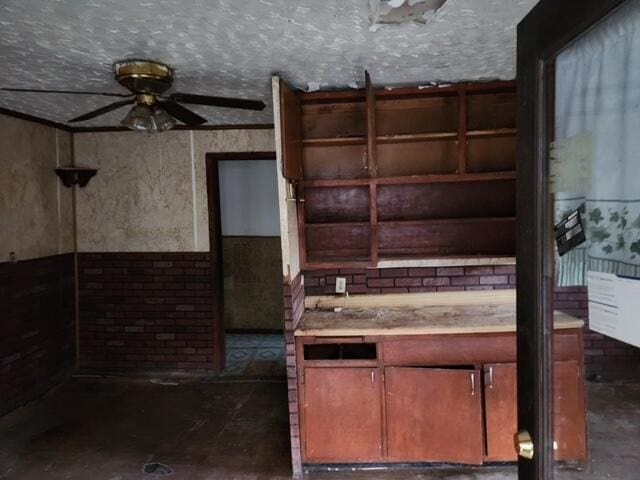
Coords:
140,119
163,120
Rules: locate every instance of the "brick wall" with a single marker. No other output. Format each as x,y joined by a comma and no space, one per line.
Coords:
601,353
293,310
145,311
411,280
37,327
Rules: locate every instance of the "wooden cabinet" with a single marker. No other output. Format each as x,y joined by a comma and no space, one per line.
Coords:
428,398
433,415
501,410
431,172
343,415
502,416
569,411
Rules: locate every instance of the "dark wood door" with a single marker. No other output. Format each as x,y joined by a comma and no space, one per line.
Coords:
342,415
501,411
542,34
434,415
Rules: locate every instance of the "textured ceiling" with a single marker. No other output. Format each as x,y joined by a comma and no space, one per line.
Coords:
231,48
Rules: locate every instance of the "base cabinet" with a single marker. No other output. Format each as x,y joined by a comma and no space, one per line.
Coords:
343,415
433,415
406,399
500,393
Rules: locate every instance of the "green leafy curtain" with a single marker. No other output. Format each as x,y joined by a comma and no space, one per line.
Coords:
595,160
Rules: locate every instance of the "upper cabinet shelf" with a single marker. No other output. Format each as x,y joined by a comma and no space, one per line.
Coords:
417,172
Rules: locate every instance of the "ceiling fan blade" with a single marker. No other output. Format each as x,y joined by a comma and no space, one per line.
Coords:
102,110
217,101
33,90
181,113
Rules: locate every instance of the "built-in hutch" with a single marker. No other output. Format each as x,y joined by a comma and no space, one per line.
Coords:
403,177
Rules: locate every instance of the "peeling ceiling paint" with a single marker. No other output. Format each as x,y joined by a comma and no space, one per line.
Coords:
231,48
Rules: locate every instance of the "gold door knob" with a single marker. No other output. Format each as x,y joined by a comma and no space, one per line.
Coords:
524,444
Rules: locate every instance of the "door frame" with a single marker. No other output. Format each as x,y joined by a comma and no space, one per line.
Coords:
215,244
542,34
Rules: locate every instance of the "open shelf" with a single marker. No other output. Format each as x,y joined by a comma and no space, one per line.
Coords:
346,161
416,137
404,174
337,204
500,132
479,236
334,141
414,179
417,114
417,158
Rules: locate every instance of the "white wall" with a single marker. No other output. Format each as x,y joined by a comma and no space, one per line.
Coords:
249,198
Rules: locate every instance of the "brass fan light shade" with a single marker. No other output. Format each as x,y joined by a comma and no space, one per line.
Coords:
139,119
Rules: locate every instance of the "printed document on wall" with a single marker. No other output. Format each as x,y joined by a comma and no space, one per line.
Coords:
614,306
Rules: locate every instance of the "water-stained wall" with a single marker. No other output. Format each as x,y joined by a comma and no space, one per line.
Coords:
150,193
36,210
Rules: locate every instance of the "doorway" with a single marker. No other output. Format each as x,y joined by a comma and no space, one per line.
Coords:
245,233
578,84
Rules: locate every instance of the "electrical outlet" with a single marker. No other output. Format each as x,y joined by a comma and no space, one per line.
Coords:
341,284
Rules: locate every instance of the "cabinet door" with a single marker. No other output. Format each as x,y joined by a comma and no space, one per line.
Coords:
290,132
501,411
502,415
569,417
342,415
434,415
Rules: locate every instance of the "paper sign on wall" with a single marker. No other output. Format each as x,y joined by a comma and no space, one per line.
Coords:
614,306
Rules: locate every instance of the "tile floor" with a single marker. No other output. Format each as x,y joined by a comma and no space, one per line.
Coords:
252,355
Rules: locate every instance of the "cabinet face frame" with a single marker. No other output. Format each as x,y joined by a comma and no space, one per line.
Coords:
568,348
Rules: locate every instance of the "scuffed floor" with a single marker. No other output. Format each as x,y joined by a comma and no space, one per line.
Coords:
108,429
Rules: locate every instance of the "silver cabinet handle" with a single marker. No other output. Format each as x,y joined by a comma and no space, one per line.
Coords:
373,376
490,377
473,384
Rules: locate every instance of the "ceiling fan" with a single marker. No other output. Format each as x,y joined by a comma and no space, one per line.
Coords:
152,110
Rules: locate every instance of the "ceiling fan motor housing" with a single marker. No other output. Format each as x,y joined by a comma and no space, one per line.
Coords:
143,76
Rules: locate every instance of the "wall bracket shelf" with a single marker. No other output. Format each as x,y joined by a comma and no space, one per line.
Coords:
75,175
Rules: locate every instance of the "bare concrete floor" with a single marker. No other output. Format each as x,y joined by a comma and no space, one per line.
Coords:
108,429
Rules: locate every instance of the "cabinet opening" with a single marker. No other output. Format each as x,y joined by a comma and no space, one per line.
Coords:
338,351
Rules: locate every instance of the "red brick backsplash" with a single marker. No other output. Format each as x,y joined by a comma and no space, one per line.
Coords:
145,311
600,352
411,280
37,327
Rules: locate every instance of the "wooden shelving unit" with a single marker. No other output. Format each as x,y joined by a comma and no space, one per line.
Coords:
403,173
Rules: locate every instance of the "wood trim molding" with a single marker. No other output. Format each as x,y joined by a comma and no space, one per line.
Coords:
252,126
219,156
31,118
67,128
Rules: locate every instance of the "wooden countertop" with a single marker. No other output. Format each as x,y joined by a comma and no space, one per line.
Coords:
421,314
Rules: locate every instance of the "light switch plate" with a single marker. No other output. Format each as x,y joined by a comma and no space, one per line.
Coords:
341,284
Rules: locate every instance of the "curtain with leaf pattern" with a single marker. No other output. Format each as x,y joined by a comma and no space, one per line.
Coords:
595,158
